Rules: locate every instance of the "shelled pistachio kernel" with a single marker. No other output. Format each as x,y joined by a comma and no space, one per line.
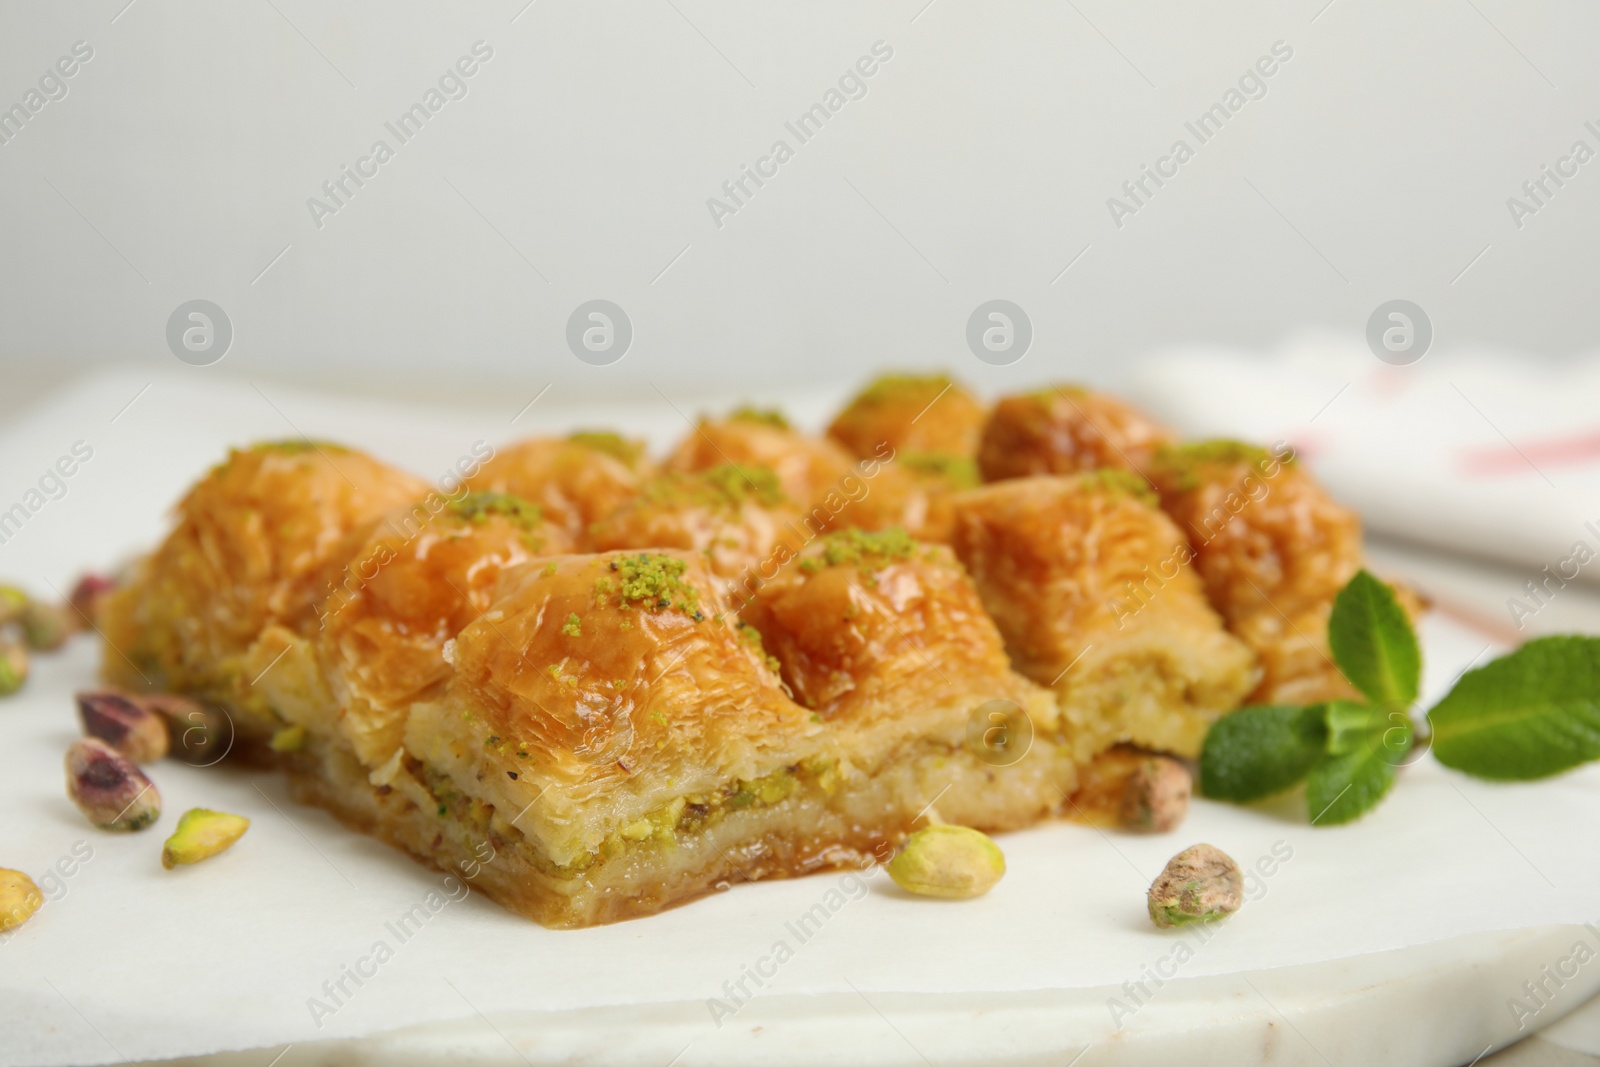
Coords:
1200,884
954,862
19,899
47,626
13,665
1156,796
288,739
124,723
200,835
108,788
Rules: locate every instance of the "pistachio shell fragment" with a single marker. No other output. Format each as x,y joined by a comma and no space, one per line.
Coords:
954,862
108,788
200,835
19,899
124,723
1199,884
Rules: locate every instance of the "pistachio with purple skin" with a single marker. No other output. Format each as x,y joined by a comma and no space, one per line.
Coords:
124,723
108,788
86,596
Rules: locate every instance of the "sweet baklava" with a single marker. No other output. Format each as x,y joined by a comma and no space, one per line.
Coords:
1064,430
1093,589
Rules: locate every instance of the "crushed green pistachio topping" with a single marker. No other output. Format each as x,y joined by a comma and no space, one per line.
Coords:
960,472
615,445
726,487
297,445
652,581
477,507
573,626
1183,462
896,387
766,416
1126,483
752,637
856,547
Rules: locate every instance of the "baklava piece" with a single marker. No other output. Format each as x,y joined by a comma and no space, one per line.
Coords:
922,415
406,585
1065,430
1092,588
575,480
738,518
813,471
1273,550
887,641
248,550
618,745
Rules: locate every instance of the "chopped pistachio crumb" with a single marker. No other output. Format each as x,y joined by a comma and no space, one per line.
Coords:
752,637
961,472
477,507
612,444
1127,483
766,416
1182,463
574,626
869,551
653,581
658,718
549,568
297,445
725,487
898,387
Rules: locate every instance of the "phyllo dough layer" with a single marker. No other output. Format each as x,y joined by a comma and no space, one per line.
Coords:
248,551
1273,550
888,642
1092,587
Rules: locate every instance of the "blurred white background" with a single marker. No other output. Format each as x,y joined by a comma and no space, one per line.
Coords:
977,165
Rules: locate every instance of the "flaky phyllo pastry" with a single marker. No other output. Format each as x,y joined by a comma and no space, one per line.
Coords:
772,654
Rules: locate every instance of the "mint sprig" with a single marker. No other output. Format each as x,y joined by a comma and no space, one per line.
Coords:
1529,714
1373,643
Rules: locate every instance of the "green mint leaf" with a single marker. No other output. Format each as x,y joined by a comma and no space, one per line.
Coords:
1373,643
1342,788
1350,724
1258,751
1533,713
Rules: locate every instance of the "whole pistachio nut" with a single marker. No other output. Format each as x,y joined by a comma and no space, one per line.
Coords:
200,734
1199,884
13,665
85,596
954,862
47,626
200,835
1156,796
19,899
13,602
124,723
108,788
